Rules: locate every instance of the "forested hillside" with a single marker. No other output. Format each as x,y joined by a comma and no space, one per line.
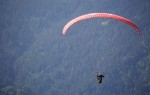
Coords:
36,59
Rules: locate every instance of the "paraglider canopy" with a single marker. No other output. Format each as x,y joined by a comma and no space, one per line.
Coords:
99,15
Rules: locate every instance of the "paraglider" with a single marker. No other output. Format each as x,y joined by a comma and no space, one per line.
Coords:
99,77
99,15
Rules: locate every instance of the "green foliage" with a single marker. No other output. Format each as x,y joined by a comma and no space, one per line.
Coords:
9,90
37,60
